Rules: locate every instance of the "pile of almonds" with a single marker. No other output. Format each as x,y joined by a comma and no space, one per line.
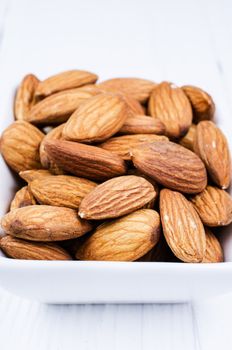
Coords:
122,170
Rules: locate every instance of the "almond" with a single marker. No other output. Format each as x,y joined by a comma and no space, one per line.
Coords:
214,206
44,223
22,198
213,252
171,165
116,197
58,107
86,161
61,190
188,140
170,104
182,227
20,146
212,147
30,175
141,124
63,81
139,89
123,145
134,106
124,239
97,119
24,98
20,249
202,103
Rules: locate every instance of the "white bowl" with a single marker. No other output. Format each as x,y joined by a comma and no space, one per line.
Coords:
109,282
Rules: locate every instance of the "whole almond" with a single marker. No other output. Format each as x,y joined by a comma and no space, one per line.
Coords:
182,227
20,249
212,147
170,104
214,206
123,145
97,119
202,103
139,89
24,98
22,198
30,175
20,146
213,252
58,107
61,190
189,139
63,81
141,124
116,197
44,223
171,165
86,161
124,239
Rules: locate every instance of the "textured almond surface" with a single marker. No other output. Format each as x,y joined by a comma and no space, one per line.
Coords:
141,124
124,239
20,146
213,252
44,223
170,104
24,98
20,249
116,197
87,161
189,139
171,165
58,107
182,227
212,147
123,145
97,119
65,80
135,108
139,89
61,190
30,175
202,103
214,206
22,198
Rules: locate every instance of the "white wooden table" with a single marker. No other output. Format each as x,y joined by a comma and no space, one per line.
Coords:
189,42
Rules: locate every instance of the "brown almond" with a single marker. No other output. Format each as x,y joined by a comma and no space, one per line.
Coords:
44,223
214,206
20,146
212,147
20,249
124,239
141,124
189,139
22,198
86,161
30,175
182,227
213,252
170,104
171,165
116,197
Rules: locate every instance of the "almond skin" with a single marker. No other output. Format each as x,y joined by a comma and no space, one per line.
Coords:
20,146
170,104
182,227
63,81
171,165
214,206
141,124
61,190
116,197
30,175
123,145
213,252
44,223
124,239
202,103
135,108
189,139
20,249
97,119
212,147
24,98
22,198
139,89
86,161
58,107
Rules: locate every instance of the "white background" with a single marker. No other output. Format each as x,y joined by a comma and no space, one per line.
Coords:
180,41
